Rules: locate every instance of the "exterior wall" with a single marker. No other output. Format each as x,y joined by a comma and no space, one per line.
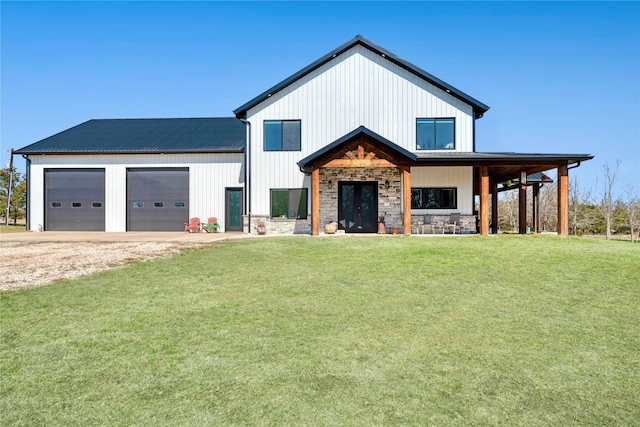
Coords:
389,200
460,177
466,225
209,175
358,88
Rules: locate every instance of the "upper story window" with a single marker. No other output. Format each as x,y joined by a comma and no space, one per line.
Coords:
282,135
435,134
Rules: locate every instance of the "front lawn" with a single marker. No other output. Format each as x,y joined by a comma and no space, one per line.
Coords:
498,330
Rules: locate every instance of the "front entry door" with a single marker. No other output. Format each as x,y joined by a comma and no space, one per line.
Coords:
233,209
358,207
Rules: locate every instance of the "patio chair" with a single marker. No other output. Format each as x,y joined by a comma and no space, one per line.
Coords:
211,226
454,219
192,225
428,224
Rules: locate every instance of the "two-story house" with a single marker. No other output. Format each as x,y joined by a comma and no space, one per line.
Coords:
357,135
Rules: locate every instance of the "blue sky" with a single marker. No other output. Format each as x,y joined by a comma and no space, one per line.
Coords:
559,77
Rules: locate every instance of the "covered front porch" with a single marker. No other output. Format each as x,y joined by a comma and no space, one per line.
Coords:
362,177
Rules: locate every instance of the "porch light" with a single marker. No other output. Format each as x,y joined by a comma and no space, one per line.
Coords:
386,184
329,185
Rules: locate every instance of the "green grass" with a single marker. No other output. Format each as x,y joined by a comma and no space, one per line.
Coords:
501,330
20,228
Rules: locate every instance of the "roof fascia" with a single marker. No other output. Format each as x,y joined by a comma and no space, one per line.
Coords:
76,153
459,159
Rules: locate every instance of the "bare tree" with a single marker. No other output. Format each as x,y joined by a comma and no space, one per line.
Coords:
633,210
607,203
549,207
578,198
508,211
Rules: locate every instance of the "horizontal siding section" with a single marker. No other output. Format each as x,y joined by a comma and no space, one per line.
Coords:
358,88
458,177
209,175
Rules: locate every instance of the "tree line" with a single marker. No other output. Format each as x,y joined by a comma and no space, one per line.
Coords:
18,201
591,210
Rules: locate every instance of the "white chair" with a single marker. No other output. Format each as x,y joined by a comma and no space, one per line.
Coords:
428,224
454,218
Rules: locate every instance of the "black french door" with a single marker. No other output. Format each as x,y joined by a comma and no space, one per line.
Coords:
358,206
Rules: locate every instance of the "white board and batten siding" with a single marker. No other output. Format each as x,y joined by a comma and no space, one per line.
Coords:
459,177
209,175
357,88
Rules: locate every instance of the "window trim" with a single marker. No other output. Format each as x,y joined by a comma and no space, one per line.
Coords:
435,121
289,190
440,189
264,135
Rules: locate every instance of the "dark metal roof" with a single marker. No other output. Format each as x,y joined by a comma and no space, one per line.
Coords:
478,107
475,158
537,178
305,164
145,136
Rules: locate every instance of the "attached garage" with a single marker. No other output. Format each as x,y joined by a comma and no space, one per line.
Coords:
157,199
74,199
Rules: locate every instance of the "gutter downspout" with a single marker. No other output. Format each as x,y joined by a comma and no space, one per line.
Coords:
247,173
577,165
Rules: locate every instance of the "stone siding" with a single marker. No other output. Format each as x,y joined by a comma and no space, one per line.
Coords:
466,225
389,200
277,225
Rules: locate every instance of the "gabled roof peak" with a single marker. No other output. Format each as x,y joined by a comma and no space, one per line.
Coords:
478,107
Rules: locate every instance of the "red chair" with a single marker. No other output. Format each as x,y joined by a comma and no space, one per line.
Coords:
211,226
192,225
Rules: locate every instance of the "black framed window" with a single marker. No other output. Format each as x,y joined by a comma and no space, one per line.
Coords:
282,135
289,203
436,134
434,198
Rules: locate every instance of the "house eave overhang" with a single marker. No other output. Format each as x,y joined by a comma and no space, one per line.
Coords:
479,108
477,159
306,164
123,152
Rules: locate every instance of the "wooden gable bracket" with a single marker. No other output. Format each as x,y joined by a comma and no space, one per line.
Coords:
359,160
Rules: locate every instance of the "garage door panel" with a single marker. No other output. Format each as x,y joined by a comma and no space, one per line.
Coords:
74,199
157,199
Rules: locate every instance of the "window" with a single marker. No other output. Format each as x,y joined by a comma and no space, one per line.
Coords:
282,135
434,198
56,204
96,205
158,204
179,204
290,203
76,204
435,134
138,204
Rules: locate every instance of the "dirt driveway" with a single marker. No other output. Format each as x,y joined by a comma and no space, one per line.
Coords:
35,259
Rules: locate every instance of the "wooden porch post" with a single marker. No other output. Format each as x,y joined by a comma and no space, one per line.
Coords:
315,202
522,209
484,200
536,208
494,207
406,199
563,200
